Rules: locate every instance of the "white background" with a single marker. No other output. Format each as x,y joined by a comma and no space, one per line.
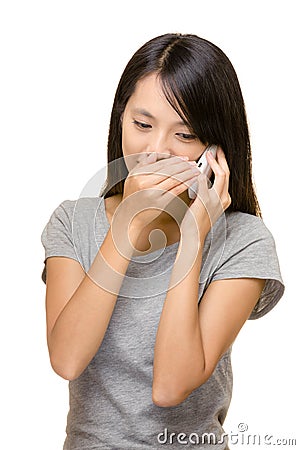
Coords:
60,65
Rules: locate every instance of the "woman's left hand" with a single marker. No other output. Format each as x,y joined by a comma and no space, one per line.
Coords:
210,203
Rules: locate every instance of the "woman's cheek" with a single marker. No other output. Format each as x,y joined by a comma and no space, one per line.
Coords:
132,145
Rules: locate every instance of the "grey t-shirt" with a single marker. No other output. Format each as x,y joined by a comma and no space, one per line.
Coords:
111,401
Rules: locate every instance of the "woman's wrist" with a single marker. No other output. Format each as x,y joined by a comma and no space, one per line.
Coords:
195,229
191,241
125,232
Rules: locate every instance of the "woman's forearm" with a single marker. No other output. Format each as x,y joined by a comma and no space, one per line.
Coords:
81,326
178,355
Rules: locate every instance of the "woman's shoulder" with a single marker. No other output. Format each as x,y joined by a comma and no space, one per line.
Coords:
81,208
79,214
236,230
245,225
82,202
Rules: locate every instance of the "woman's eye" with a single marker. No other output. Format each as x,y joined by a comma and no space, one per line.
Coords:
141,125
188,137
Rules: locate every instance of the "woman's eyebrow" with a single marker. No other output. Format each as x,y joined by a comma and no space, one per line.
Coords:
143,112
146,113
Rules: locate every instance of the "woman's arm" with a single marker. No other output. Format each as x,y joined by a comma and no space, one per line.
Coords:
79,306
191,338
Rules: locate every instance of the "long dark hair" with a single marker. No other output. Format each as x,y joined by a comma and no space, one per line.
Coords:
200,83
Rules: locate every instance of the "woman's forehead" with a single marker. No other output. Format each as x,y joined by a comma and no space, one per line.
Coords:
149,100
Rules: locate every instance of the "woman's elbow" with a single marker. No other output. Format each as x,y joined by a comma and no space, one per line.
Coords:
65,371
163,400
166,397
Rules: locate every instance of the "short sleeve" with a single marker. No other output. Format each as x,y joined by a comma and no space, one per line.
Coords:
57,236
250,252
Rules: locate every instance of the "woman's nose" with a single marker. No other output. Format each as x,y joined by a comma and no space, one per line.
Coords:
159,144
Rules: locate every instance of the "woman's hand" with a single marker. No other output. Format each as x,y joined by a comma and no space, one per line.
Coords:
210,203
153,183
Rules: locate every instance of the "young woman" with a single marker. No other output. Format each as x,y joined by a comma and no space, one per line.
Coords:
147,289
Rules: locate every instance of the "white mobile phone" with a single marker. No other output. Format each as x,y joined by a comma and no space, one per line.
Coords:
204,167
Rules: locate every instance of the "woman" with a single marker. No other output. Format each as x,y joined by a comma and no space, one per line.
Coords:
144,333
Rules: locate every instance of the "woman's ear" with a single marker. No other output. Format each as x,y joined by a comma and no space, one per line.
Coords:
121,118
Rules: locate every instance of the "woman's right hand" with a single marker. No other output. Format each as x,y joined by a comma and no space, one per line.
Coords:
152,184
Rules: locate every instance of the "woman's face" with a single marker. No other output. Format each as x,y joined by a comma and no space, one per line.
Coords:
150,124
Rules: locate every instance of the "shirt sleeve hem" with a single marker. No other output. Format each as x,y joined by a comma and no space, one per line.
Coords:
44,272
266,306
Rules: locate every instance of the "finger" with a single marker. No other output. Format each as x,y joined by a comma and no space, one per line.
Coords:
185,178
147,157
221,158
164,167
175,167
166,176
166,181
175,187
150,158
220,170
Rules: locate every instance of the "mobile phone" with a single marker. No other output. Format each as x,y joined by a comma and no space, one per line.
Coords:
204,167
